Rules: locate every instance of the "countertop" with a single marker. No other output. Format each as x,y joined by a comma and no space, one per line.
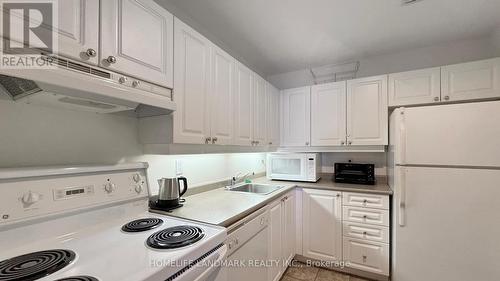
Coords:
222,207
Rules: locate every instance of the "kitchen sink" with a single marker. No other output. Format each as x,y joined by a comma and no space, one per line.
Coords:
256,188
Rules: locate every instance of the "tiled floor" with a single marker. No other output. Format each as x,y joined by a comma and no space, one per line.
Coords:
303,272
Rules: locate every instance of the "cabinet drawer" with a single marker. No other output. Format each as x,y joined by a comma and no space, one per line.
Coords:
366,200
366,232
367,256
365,215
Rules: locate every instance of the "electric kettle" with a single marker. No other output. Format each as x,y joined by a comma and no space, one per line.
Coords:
170,191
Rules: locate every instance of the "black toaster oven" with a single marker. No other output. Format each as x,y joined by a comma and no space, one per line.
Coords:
354,173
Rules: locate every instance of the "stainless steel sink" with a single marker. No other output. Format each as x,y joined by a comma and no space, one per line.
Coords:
256,188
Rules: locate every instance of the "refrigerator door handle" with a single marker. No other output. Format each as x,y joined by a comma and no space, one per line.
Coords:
402,138
402,197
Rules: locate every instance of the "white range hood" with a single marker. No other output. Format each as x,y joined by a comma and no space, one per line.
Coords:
83,87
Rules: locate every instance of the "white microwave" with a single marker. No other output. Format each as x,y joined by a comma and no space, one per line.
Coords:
293,166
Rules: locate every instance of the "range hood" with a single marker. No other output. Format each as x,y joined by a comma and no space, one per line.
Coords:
79,86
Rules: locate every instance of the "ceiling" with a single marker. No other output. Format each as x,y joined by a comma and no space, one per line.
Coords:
277,36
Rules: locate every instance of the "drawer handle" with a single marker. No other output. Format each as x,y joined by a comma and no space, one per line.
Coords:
364,258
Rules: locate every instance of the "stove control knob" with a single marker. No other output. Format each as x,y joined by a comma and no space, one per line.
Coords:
137,178
109,187
30,198
138,189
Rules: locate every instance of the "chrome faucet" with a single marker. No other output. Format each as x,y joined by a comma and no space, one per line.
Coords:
235,179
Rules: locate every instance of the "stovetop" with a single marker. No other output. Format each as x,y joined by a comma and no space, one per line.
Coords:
106,252
109,237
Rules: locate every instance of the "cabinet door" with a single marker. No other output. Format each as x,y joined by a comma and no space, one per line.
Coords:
243,130
367,114
296,117
273,115
289,227
78,29
328,114
275,240
259,111
469,81
222,127
322,225
415,87
139,35
191,85
367,255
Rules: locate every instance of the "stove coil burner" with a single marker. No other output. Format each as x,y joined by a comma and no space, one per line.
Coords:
142,225
35,265
79,278
175,237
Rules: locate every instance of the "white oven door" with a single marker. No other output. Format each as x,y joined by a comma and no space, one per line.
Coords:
287,166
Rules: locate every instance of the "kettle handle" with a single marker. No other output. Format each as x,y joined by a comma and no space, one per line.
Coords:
183,179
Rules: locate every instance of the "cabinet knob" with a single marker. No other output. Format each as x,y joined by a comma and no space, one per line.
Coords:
446,97
111,59
364,233
270,143
342,142
365,217
91,53
122,79
207,140
136,83
307,143
349,142
436,98
214,140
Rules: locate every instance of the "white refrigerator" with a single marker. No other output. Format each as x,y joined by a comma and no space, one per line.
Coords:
444,168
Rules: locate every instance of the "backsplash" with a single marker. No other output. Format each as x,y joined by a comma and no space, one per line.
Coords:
202,169
377,158
33,135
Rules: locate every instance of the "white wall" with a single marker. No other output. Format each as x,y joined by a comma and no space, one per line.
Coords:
437,55
202,169
495,39
33,135
379,159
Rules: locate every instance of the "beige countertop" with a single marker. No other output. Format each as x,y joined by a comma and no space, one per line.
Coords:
223,207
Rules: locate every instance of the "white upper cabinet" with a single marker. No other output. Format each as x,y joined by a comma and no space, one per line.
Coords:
191,86
367,113
470,81
137,39
273,115
328,114
222,97
78,30
322,224
259,111
243,95
296,117
415,87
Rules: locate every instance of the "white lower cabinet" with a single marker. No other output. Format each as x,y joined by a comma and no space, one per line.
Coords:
281,235
322,224
366,232
367,255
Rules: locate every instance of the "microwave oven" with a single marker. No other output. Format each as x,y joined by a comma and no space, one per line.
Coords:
293,166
